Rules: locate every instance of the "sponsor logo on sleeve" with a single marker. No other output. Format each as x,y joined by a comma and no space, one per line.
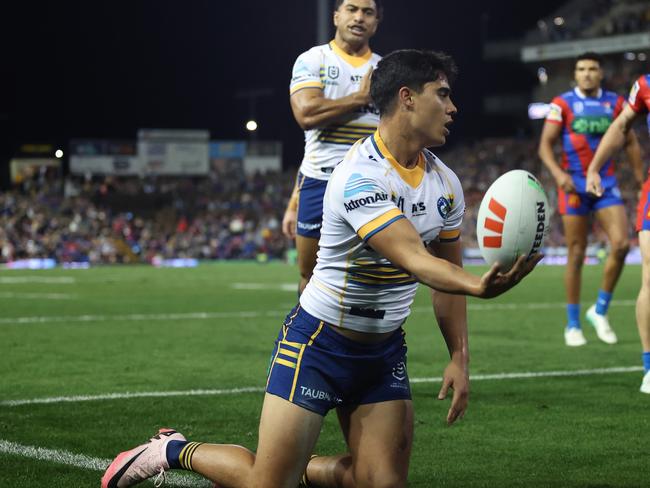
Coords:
357,184
554,112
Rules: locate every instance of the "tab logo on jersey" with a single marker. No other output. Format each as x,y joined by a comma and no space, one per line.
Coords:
418,209
591,125
495,225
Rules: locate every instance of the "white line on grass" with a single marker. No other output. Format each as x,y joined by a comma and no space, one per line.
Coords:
85,462
10,280
143,394
37,296
269,313
539,374
265,286
134,317
524,306
258,389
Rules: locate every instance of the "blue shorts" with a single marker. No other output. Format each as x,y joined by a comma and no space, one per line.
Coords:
586,203
310,206
317,368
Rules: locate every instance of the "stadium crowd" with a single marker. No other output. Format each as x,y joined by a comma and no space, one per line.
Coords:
223,216
602,18
140,220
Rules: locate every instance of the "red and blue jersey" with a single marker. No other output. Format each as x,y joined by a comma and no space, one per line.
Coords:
584,121
639,101
639,98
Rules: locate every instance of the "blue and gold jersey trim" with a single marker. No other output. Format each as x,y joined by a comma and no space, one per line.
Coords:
346,134
412,176
371,228
378,275
449,235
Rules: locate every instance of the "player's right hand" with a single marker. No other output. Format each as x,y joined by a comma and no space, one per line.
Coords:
494,282
594,184
364,87
289,222
565,182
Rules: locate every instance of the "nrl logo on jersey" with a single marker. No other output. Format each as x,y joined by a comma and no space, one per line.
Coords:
578,107
333,72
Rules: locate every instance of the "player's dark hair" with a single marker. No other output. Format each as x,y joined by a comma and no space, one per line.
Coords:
408,67
591,56
380,7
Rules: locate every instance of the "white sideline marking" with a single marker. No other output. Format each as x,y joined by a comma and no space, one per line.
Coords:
525,306
258,389
269,313
10,280
120,396
37,296
539,374
85,462
141,317
265,286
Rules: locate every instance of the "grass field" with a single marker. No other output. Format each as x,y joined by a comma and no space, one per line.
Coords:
69,338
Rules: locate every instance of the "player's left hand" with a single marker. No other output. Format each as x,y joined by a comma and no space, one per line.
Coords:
289,221
455,377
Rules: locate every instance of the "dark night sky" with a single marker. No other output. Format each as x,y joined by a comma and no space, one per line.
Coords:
105,69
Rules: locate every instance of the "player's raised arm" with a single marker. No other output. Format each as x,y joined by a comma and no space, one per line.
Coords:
311,109
616,136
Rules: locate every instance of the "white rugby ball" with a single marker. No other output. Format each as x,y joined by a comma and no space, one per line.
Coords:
512,219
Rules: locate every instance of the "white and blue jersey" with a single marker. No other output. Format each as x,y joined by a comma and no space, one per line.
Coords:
337,74
353,287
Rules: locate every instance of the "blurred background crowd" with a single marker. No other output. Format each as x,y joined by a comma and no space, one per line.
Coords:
227,215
